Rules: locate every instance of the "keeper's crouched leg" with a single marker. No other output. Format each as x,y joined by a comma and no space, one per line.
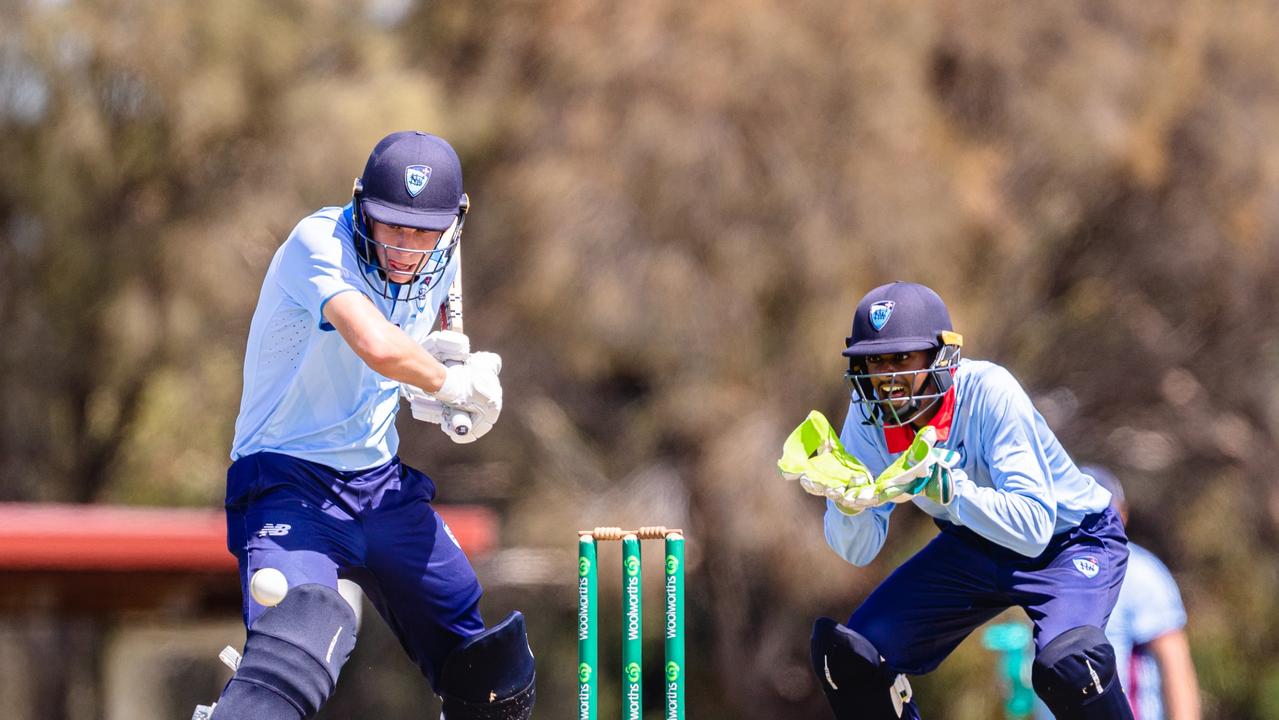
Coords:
291,657
857,684
490,676
1075,676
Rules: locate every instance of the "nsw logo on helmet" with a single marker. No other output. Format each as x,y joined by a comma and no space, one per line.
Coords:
879,313
415,179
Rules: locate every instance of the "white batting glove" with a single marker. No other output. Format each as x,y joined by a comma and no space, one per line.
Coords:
447,346
424,405
427,409
474,388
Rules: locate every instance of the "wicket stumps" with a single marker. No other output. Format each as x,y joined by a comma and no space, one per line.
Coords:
632,622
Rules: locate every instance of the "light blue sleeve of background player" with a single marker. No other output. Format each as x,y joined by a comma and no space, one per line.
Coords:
1149,607
1019,511
1151,590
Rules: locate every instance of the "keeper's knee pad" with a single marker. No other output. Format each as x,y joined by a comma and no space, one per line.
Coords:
851,673
291,658
490,676
1075,675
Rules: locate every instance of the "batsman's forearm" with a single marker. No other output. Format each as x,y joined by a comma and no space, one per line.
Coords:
382,346
394,354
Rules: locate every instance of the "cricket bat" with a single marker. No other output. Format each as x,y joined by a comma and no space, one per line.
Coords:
451,310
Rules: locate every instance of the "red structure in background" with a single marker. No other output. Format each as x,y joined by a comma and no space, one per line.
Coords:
94,558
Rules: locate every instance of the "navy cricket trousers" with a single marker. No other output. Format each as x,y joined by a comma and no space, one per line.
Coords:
929,604
376,527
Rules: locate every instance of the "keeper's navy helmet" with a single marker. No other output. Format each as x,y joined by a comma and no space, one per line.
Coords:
901,317
411,179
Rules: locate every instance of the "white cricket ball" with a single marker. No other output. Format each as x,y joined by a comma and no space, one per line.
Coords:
268,586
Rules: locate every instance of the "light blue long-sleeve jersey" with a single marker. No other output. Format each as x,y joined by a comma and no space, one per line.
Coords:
306,393
1149,607
1018,487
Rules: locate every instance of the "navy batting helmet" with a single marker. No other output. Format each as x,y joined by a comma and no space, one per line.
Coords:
901,317
411,179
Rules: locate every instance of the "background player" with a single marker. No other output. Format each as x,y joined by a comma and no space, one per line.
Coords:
1020,524
316,489
1148,632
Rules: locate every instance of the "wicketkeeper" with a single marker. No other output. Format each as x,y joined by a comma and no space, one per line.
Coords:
1020,524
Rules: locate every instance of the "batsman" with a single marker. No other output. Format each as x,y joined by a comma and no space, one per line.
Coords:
316,491
1020,525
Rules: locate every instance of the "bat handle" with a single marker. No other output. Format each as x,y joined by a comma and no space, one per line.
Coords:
460,420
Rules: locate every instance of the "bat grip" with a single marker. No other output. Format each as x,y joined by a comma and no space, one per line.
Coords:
460,421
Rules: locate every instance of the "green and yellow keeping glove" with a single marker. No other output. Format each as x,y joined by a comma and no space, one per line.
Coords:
921,469
814,456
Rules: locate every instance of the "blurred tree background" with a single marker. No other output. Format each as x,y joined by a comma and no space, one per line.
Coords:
677,206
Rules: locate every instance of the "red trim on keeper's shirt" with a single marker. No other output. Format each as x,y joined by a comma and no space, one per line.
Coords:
899,437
